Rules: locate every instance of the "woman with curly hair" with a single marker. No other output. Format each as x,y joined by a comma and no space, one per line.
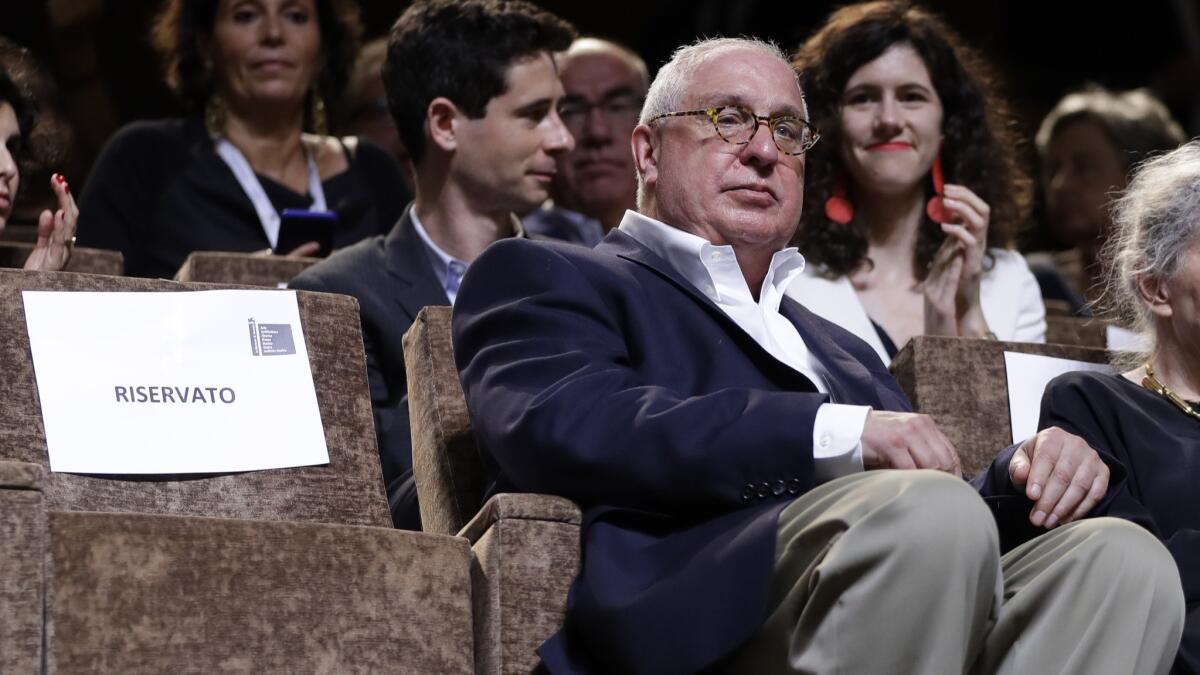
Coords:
913,195
55,229
255,75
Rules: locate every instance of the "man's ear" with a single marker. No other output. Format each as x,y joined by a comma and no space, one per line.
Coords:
1156,293
441,123
645,144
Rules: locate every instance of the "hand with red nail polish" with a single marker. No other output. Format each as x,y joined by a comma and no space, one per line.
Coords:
56,231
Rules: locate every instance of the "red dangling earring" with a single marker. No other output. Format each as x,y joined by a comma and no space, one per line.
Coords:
935,208
838,207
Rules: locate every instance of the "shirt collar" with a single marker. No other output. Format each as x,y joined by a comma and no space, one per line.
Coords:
703,264
441,261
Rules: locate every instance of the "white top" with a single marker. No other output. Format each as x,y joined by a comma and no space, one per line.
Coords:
837,429
1008,294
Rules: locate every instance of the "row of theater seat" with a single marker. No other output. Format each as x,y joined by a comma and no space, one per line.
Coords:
297,570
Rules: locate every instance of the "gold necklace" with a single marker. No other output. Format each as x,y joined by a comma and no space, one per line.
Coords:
1150,382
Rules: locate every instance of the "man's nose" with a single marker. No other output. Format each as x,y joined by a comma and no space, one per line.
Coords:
558,138
761,148
596,126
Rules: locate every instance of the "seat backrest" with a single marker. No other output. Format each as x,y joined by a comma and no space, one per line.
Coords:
13,254
963,385
348,490
243,269
1079,331
447,465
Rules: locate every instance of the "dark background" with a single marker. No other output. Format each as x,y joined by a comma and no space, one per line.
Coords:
98,51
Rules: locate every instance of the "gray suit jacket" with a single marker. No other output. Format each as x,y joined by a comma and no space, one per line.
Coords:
392,279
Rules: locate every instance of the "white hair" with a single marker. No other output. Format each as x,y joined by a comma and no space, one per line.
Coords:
673,81
1156,222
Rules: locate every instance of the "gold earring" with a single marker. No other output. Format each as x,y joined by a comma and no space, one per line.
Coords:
214,115
317,116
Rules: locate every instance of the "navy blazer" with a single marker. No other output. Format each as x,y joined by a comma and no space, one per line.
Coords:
392,279
605,377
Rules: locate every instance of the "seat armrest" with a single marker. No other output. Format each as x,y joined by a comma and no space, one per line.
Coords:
521,507
527,552
16,475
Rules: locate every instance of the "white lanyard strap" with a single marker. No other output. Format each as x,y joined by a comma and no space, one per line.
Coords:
244,174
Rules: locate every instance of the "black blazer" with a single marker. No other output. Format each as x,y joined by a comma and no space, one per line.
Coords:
605,377
392,279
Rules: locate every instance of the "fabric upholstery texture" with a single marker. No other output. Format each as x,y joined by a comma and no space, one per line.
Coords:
522,578
446,463
1073,330
526,546
83,260
349,490
165,594
22,579
246,269
963,385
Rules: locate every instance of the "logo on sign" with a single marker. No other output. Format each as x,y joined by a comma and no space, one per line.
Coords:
267,339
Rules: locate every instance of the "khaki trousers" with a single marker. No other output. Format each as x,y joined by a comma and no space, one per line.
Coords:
893,572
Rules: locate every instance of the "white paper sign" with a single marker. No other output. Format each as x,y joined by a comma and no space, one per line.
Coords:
1124,340
1028,375
189,382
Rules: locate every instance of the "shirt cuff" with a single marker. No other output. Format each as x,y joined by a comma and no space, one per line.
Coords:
837,440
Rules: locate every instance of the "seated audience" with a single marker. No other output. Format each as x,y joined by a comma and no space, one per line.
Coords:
914,191
1088,144
255,76
365,105
719,438
55,230
596,182
474,93
1146,420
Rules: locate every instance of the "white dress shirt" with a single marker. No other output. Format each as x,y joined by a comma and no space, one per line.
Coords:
714,270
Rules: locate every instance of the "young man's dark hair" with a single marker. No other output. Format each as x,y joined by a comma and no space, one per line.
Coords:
460,50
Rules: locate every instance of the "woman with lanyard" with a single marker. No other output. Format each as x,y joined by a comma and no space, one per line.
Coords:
240,174
1145,421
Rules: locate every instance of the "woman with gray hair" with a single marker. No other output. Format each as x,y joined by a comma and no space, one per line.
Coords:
1087,146
1145,422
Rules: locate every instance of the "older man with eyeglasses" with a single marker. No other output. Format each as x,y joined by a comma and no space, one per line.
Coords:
604,85
731,450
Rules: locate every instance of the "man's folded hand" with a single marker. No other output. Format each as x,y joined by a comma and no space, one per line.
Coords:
897,440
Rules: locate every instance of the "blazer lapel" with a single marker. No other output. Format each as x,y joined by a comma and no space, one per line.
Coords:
849,380
628,248
408,264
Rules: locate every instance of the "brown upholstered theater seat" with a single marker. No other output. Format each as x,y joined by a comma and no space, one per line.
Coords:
527,546
1079,331
244,269
284,571
83,260
348,491
963,385
131,593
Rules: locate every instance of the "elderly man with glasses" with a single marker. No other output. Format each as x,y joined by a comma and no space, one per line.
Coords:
604,85
730,449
